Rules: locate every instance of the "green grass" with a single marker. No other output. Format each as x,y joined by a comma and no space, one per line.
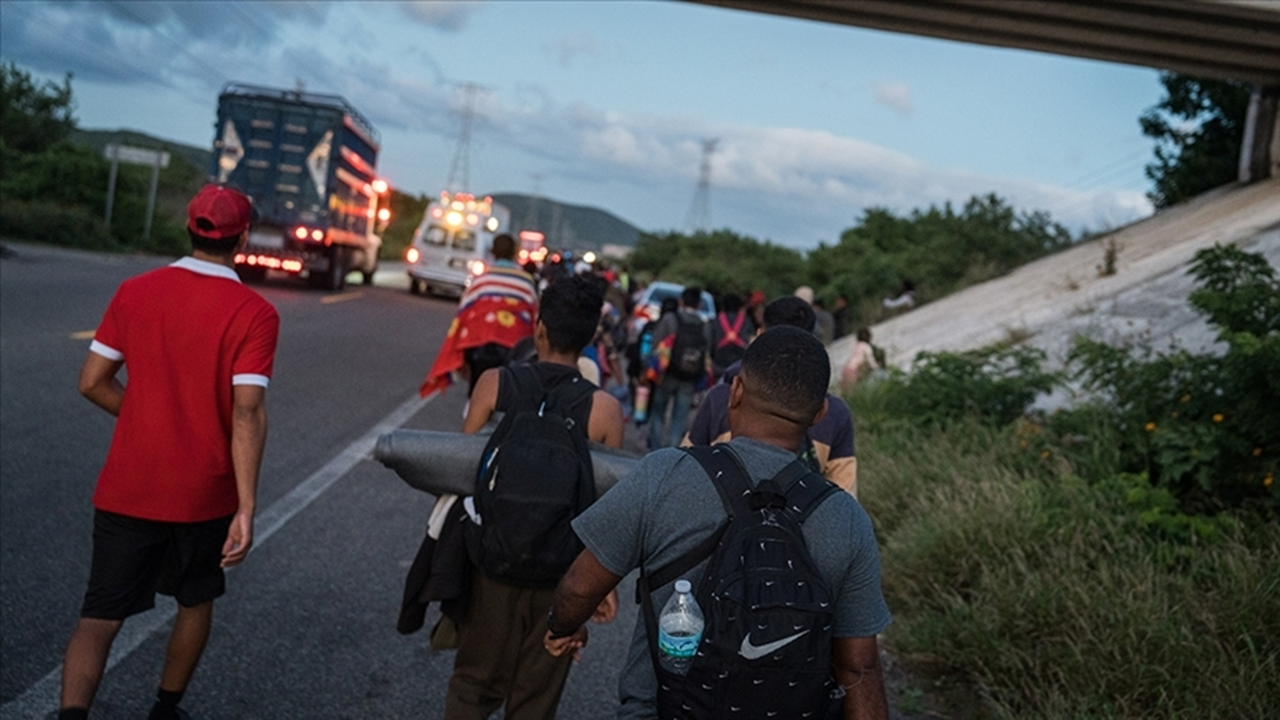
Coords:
1050,594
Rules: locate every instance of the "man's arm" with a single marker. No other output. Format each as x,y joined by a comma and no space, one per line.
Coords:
606,424
248,439
856,665
483,402
578,596
99,384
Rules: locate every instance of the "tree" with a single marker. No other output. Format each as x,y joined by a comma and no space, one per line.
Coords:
1198,128
33,116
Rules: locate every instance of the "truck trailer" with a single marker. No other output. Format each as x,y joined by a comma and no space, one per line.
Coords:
309,162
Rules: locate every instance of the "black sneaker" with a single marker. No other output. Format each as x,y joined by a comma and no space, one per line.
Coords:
177,714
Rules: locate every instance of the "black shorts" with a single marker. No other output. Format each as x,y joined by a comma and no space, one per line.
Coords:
133,559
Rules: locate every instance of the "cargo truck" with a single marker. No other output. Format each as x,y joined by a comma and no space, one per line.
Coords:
309,162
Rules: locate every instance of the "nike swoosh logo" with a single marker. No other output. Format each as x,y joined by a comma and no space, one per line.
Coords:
755,652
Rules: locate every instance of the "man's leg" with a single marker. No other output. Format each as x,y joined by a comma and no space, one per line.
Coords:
488,640
186,645
539,678
86,660
680,412
658,415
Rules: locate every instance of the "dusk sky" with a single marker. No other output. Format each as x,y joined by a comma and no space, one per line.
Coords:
605,104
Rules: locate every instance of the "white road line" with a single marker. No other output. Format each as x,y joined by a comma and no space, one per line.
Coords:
42,697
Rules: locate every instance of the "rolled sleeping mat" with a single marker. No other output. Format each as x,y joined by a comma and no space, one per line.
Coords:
445,462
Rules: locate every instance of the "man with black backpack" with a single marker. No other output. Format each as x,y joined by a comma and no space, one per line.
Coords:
783,566
535,476
686,338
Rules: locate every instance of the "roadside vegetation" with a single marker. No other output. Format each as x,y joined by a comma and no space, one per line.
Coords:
53,190
1114,559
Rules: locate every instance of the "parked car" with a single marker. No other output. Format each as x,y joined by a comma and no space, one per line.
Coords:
650,304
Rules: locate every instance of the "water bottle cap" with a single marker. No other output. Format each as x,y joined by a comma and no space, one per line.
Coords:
683,586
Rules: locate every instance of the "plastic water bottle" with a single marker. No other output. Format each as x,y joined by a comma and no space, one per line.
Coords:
679,629
640,413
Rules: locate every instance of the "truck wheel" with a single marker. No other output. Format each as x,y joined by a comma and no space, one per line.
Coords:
366,276
333,278
415,286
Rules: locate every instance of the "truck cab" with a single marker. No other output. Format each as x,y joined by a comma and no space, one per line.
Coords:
452,244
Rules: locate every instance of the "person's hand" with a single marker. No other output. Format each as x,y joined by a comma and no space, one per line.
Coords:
239,539
607,610
571,643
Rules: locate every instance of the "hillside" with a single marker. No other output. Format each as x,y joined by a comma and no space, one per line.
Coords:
570,226
98,139
1047,303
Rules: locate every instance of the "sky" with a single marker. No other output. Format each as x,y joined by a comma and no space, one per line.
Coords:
607,104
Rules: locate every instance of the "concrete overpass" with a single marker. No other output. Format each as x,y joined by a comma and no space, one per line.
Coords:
1222,39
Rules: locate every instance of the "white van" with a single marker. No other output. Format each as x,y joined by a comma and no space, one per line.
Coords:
453,243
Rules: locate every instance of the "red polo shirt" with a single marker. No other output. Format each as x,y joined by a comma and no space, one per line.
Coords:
186,333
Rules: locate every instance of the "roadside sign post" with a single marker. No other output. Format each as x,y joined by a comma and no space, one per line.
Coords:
136,156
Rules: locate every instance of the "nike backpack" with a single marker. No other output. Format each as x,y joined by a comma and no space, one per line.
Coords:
766,645
689,350
534,477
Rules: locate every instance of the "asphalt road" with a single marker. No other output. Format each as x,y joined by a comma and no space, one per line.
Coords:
307,629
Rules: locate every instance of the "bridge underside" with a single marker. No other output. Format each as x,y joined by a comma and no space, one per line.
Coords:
1223,39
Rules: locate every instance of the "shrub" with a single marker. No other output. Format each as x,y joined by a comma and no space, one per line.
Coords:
73,226
1205,427
994,384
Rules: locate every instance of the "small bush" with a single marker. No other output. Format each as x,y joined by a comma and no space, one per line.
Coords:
993,384
42,221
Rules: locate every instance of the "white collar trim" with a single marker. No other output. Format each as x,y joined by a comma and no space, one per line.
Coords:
204,267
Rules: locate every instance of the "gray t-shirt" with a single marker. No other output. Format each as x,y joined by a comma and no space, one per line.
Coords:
668,505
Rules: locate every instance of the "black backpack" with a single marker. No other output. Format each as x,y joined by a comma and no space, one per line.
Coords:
766,646
689,351
534,477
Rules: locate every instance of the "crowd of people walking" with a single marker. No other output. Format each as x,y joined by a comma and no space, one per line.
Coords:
522,564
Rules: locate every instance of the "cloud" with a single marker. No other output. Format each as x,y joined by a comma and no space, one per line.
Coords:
441,14
895,96
568,48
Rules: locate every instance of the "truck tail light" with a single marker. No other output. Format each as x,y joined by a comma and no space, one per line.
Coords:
477,267
300,233
317,235
411,255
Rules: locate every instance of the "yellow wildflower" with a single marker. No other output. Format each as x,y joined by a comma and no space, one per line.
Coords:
1151,427
1045,455
1266,481
1257,452
1185,399
1217,417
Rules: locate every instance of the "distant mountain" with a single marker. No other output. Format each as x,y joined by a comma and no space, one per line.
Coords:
568,226
99,139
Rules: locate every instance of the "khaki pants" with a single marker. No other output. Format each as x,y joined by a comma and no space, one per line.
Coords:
500,655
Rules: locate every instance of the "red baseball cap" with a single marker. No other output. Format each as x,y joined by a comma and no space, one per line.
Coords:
218,211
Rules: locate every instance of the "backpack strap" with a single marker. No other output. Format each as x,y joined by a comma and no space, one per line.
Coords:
803,488
729,477
732,334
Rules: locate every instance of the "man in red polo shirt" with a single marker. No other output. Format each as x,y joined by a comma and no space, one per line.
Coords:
174,504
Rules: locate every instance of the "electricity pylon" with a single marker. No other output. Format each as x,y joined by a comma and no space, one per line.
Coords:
699,216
